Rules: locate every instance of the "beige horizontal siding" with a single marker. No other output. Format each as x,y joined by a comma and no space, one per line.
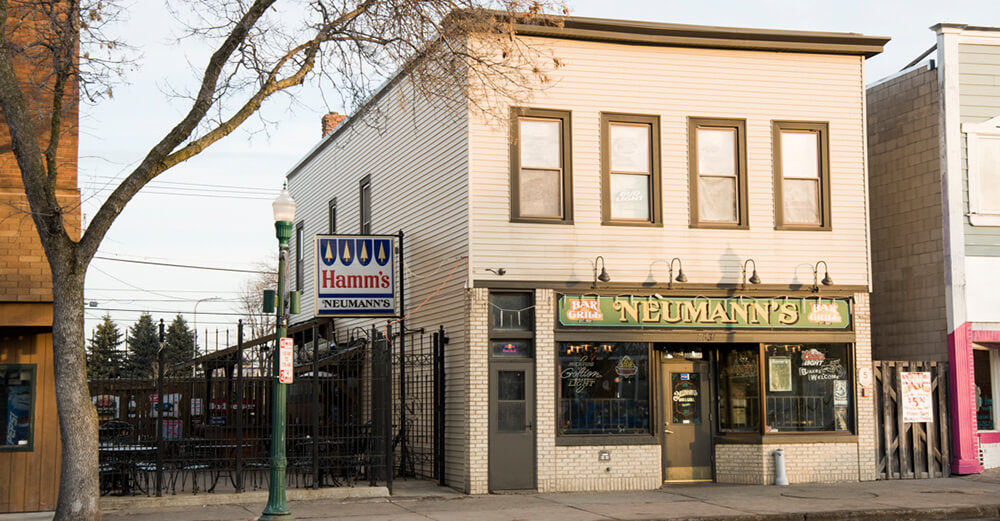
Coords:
674,84
419,189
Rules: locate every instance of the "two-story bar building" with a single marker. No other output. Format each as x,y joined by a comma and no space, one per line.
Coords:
656,269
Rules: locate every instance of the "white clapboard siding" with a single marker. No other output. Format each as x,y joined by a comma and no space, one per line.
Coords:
416,155
676,83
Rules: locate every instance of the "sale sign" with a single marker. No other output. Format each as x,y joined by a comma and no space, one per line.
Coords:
285,363
918,406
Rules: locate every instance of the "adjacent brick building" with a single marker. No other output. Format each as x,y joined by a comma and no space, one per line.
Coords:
29,441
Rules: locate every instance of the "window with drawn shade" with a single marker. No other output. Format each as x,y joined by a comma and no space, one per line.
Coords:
540,180
808,388
630,168
17,401
718,198
603,388
800,171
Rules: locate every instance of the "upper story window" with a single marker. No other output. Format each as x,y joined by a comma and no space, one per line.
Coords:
717,163
332,222
984,172
630,169
801,176
541,185
365,200
299,254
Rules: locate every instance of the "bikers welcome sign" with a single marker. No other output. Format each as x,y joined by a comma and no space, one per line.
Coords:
355,276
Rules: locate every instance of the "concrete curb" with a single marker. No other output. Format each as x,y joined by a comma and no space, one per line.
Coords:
109,504
884,514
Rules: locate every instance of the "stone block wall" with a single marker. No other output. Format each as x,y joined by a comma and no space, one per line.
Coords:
904,153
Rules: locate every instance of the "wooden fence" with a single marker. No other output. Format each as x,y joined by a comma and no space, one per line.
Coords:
911,450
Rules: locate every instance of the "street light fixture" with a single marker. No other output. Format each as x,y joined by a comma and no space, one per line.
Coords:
277,506
194,349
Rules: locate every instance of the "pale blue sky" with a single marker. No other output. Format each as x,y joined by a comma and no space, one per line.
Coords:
233,227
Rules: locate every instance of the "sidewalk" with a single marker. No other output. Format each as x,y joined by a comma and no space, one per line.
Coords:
974,497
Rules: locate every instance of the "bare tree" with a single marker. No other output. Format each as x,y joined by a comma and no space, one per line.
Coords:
443,47
251,301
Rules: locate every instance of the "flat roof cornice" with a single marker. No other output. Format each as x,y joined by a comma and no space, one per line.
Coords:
681,35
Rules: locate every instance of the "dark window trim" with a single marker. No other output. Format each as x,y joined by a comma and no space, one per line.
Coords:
364,204
299,253
655,193
742,200
30,446
823,129
332,216
516,113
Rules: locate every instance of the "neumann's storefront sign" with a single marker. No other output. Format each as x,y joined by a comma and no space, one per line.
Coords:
355,276
703,312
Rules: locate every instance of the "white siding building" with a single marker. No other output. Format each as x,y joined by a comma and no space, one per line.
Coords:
657,150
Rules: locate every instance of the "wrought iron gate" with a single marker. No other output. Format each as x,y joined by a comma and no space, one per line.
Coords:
910,450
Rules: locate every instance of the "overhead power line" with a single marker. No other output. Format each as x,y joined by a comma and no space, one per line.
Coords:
169,312
191,266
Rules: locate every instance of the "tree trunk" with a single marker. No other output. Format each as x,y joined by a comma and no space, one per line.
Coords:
79,488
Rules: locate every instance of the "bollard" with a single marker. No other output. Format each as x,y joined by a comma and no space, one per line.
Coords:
780,478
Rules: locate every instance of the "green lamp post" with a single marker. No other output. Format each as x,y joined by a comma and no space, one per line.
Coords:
277,506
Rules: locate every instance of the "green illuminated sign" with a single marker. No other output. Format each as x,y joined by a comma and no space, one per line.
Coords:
704,312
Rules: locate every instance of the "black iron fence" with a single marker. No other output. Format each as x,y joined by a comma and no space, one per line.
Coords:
355,408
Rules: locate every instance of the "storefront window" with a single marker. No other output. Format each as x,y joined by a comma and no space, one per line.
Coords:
808,387
604,388
739,391
17,397
984,390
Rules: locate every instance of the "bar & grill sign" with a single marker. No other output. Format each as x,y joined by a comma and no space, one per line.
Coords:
355,276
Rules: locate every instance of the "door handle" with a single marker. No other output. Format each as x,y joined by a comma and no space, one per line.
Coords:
666,430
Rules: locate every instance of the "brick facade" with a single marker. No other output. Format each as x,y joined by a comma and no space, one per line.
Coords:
477,385
906,221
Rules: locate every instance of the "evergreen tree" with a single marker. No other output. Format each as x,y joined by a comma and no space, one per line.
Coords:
180,342
143,343
104,360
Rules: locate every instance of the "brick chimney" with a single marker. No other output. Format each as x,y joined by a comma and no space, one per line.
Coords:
330,122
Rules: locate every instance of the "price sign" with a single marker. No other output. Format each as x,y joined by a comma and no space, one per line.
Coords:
285,365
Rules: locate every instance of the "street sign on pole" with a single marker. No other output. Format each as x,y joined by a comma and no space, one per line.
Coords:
355,276
286,366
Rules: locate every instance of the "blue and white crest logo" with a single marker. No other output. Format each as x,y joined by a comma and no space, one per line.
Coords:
383,251
328,251
364,251
346,251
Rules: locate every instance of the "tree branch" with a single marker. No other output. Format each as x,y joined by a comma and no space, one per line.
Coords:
153,164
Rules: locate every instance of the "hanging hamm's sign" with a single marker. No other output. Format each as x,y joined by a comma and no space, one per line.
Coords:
355,276
704,312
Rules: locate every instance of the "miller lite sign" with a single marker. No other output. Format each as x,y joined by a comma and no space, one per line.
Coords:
355,276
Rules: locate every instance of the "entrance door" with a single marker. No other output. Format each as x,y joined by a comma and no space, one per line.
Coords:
687,422
512,430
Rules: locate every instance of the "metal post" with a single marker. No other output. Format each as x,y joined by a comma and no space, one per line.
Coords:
315,415
277,505
239,406
160,359
442,340
403,449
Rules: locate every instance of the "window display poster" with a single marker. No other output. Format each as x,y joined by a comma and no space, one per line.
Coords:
917,402
686,399
172,429
779,374
171,404
840,393
18,428
107,406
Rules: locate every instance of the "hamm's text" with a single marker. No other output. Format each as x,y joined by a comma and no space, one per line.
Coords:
330,279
